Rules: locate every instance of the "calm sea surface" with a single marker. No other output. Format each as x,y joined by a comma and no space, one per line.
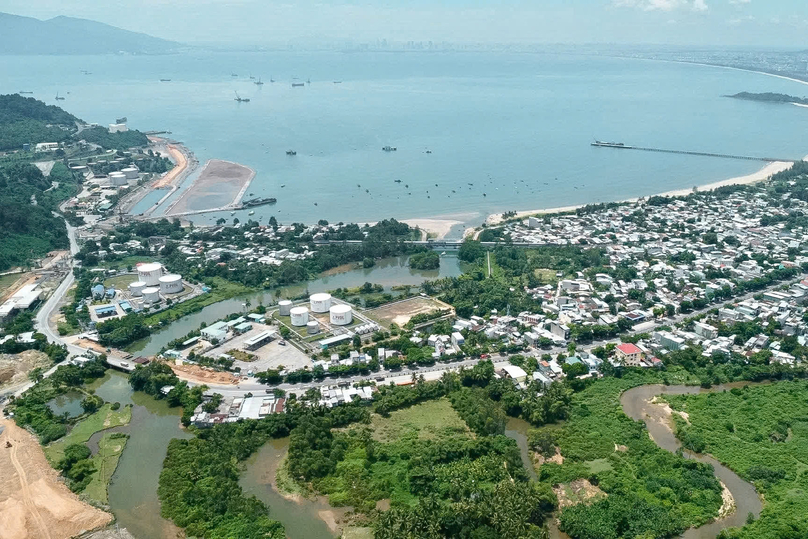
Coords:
506,130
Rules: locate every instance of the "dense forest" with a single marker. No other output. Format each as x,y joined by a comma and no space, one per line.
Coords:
27,120
28,228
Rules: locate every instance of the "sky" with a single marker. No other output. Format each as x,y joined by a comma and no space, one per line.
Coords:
746,23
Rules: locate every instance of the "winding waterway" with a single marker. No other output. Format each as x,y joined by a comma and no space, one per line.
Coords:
637,405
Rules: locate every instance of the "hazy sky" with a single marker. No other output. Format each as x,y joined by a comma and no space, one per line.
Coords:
778,23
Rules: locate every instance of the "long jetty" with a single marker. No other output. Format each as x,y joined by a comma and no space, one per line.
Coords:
619,146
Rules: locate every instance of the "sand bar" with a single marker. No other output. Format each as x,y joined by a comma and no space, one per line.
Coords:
762,175
220,186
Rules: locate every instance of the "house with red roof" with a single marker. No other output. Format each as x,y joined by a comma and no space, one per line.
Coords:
629,354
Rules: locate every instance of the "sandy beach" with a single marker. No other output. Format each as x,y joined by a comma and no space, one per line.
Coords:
179,160
762,175
439,227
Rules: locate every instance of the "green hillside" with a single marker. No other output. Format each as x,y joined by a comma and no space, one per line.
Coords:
27,120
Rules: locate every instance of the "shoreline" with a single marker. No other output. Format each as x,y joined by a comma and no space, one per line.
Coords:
201,180
761,175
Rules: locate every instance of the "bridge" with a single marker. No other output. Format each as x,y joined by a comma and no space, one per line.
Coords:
620,146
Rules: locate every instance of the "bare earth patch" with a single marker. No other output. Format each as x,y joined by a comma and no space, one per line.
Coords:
728,502
14,368
33,501
578,491
539,459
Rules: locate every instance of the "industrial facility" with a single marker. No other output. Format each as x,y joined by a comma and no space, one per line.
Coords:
150,273
320,303
23,299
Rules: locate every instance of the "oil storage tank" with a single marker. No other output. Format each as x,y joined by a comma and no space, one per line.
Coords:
118,179
284,307
136,288
150,273
170,284
300,316
131,173
341,315
151,294
320,303
313,327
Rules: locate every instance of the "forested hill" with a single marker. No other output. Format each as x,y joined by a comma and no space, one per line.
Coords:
66,35
27,120
770,97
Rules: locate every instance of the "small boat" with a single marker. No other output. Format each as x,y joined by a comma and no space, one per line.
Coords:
308,81
397,181
283,185
22,93
233,75
389,149
59,98
337,82
165,80
291,152
242,99
232,213
252,212
271,79
251,77
297,84
259,82
429,151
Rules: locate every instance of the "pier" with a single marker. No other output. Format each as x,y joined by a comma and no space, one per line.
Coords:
621,146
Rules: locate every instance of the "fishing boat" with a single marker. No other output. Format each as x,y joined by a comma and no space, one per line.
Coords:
291,152
298,84
242,99
259,82
389,149
59,98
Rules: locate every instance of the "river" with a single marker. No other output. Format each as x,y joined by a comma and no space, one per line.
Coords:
637,405
133,489
387,272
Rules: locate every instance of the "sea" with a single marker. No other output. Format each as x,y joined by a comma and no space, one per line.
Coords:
475,133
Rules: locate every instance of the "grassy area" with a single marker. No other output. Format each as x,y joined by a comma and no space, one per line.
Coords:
104,418
110,448
547,276
286,484
761,432
425,421
357,533
241,355
121,282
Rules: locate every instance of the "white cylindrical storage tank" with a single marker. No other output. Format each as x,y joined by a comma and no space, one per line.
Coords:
131,173
341,315
151,294
118,179
300,316
136,288
170,284
320,303
313,327
284,307
150,273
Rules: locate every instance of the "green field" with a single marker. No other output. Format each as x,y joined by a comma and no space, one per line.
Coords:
110,448
104,418
426,421
120,282
761,432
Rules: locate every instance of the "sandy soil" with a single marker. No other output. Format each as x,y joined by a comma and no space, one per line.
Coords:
539,459
33,502
221,180
439,227
763,174
180,165
728,502
195,373
578,491
14,368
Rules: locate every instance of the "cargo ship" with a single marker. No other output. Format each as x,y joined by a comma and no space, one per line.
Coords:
253,202
609,144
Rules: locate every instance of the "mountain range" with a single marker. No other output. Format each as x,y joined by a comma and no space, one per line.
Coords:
68,35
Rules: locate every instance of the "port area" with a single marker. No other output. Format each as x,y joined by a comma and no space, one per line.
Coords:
185,164
220,186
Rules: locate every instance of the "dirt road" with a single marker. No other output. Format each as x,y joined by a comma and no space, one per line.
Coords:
181,163
33,502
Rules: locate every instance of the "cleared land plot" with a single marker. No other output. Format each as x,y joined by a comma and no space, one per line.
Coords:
220,183
34,502
269,356
427,421
104,418
7,281
401,312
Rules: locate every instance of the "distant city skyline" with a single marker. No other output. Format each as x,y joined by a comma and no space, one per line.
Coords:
747,23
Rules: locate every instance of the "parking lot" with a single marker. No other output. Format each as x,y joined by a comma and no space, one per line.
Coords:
269,356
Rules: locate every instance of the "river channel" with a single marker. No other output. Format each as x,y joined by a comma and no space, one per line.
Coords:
637,405
387,272
133,489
